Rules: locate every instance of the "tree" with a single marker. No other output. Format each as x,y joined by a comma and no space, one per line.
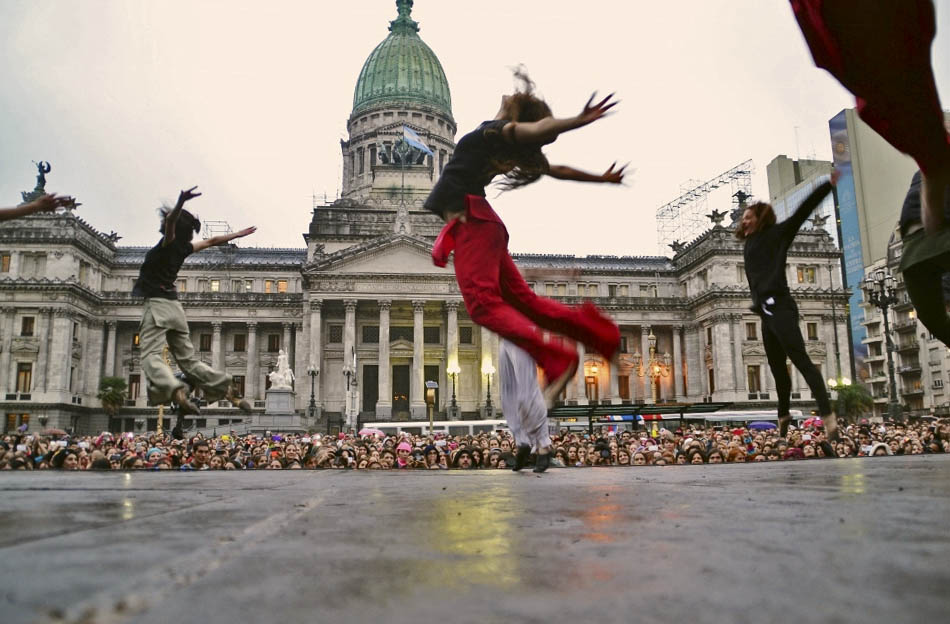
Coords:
112,393
853,401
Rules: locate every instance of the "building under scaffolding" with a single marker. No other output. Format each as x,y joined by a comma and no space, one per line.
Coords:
685,218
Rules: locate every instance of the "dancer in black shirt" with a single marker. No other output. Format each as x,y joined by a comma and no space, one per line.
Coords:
766,251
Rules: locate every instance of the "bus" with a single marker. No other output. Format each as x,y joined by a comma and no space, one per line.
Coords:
445,427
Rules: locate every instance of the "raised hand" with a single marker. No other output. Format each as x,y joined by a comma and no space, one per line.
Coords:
246,232
50,202
592,112
613,175
186,195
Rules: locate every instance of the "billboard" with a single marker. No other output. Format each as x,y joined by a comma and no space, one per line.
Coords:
850,235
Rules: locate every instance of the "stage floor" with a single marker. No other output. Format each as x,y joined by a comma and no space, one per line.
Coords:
855,540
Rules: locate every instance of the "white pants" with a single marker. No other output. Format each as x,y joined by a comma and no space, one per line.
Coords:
521,398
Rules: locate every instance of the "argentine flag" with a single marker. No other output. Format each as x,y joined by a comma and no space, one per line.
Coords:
413,139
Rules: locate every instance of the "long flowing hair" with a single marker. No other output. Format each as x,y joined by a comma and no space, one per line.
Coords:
521,164
764,217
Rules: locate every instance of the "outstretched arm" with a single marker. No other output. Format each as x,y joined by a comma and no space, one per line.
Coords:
611,176
172,217
546,130
46,203
214,241
794,222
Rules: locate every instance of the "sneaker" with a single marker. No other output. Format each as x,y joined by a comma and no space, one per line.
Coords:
240,403
185,406
542,463
521,457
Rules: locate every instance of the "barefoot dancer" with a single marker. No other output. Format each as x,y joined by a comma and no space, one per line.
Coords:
163,318
880,51
766,249
495,294
523,405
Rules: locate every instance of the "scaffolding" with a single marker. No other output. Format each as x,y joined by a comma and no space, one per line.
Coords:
683,219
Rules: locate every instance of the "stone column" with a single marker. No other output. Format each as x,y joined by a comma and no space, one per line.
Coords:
59,352
614,389
349,344
110,349
217,349
285,342
253,363
451,350
316,345
645,351
417,403
7,319
580,380
740,370
384,402
677,364
694,367
301,380
43,330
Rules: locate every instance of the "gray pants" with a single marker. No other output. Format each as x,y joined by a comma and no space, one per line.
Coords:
163,320
521,398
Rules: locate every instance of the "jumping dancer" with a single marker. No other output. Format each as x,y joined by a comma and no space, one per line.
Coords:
523,405
925,262
766,251
44,203
163,318
880,51
495,294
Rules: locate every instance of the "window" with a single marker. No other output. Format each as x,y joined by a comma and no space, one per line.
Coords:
135,386
623,290
465,335
562,290
215,285
72,379
237,286
590,388
202,285
281,286
402,333
359,157
549,289
623,344
647,290
240,342
612,290
712,380
709,335
703,279
751,332
83,271
371,334
938,383
24,376
16,420
431,335
26,326
33,265
268,286
441,160
4,263
238,382
754,377
135,340
740,273
182,285
248,285
812,329
624,383
335,333
372,155
806,275
273,343
204,342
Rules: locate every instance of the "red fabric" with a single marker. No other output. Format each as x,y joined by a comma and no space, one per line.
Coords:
880,51
497,297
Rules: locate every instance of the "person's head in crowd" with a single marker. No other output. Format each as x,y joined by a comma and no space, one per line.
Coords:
216,462
200,454
463,459
387,458
132,462
403,454
808,451
696,456
716,457
275,464
681,458
65,459
639,458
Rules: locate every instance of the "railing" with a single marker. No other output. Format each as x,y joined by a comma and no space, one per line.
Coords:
908,324
910,344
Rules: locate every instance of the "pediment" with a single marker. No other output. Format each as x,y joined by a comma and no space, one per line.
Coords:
398,254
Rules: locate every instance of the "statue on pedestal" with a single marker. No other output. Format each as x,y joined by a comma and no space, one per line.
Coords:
283,377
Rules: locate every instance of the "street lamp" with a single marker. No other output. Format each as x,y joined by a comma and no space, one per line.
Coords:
313,372
453,370
880,292
488,370
655,367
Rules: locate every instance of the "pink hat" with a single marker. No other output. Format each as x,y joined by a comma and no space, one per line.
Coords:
404,446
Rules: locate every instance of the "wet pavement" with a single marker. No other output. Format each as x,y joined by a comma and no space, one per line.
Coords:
856,540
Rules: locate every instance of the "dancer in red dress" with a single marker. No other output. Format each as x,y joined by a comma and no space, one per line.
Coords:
880,51
495,294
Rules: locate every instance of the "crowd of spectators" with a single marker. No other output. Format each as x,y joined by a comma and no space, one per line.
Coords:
484,451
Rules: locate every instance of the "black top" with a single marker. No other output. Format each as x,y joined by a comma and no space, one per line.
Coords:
468,172
160,270
766,251
910,213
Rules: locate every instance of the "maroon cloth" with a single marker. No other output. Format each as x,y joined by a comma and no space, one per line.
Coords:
497,297
880,51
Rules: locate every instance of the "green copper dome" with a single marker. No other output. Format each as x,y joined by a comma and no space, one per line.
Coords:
402,70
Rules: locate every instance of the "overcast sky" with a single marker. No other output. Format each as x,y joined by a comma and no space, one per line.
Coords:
132,100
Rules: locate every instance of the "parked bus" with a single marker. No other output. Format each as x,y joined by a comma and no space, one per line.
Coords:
445,427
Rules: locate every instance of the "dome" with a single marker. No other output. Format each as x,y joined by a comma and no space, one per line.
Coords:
402,70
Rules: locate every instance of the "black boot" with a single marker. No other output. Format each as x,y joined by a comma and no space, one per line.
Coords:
521,457
542,462
783,423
